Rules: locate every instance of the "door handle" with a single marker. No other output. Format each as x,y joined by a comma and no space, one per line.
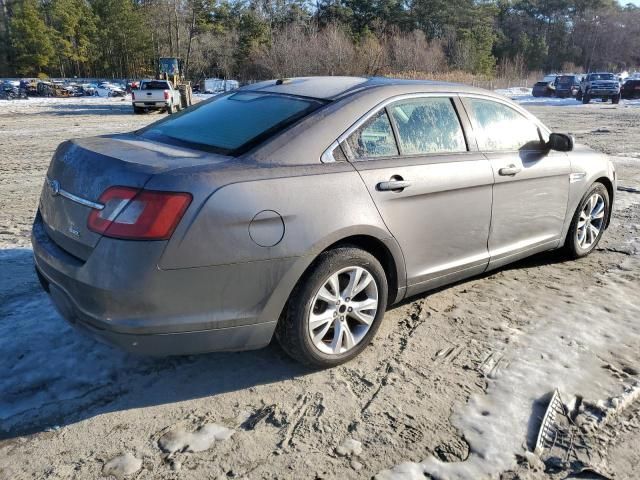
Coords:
509,171
393,185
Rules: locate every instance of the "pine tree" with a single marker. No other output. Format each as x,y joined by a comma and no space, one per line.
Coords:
30,39
74,25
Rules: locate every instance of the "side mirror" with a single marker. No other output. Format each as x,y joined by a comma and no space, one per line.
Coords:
560,142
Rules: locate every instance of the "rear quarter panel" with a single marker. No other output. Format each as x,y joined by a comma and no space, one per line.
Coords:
319,205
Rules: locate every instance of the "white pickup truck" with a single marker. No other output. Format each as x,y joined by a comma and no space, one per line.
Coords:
155,95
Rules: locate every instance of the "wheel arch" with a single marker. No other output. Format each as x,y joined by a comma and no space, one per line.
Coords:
382,253
378,243
608,184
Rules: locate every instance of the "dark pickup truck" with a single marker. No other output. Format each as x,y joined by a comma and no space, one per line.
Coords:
599,85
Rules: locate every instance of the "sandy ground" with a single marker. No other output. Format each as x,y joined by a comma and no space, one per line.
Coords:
430,388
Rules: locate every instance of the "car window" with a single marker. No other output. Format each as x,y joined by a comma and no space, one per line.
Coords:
601,76
154,86
374,138
501,128
229,124
427,125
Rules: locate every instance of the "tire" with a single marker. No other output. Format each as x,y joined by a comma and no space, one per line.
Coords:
170,109
615,99
586,98
294,332
573,246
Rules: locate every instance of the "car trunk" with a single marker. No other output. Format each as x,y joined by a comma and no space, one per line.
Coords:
83,169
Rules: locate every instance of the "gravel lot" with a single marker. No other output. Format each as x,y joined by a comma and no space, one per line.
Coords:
428,388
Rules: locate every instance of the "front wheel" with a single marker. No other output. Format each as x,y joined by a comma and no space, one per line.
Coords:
588,222
336,308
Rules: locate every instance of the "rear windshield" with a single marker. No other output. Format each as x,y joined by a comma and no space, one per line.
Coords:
601,76
232,123
154,86
566,80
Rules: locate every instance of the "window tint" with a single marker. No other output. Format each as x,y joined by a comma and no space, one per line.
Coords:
229,123
374,138
428,125
502,128
155,86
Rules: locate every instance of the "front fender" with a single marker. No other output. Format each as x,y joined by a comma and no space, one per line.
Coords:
587,167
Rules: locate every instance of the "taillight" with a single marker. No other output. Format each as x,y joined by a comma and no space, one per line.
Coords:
166,94
135,214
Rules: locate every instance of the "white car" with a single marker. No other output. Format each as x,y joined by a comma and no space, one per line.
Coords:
106,89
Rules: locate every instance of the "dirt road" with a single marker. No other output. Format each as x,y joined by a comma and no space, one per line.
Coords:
452,376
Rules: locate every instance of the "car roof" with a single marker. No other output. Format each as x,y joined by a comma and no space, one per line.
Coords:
332,88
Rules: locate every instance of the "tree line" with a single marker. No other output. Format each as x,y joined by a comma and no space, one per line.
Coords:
255,39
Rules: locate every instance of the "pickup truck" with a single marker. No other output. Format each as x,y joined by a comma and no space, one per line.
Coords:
599,85
156,95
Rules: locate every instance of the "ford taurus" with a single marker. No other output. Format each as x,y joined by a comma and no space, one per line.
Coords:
302,208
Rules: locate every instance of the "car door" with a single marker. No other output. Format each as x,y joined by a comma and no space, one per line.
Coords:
531,187
432,191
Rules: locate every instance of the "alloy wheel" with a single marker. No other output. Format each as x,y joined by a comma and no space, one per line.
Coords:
343,310
590,221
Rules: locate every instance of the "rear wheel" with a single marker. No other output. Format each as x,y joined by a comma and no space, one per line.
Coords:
336,308
589,220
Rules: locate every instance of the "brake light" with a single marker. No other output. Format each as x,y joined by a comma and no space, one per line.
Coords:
166,94
135,214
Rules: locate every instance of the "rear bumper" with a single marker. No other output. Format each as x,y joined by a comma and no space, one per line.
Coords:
120,296
245,337
150,104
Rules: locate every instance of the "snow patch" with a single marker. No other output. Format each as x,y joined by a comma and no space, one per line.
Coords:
122,466
202,439
514,91
349,447
563,347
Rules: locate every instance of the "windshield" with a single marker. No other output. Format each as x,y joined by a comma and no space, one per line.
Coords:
230,124
154,86
601,76
568,80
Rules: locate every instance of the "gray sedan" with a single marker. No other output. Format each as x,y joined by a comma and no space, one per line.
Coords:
302,208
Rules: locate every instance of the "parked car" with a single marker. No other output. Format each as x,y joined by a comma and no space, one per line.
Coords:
599,85
541,89
156,95
566,86
219,85
107,89
12,90
630,89
303,208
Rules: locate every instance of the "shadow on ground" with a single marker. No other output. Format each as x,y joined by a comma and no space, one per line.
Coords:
51,375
